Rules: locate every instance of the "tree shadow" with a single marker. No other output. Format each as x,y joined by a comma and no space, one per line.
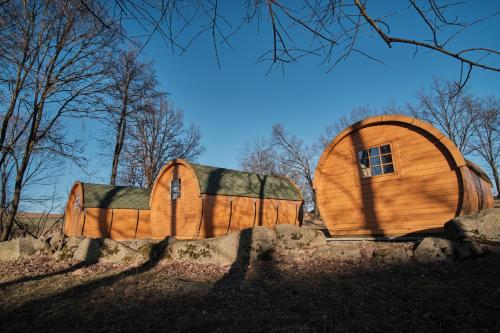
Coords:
296,299
70,269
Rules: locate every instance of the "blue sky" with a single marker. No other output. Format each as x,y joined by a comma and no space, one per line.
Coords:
240,101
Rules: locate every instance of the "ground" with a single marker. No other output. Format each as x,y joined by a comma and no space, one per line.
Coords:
38,294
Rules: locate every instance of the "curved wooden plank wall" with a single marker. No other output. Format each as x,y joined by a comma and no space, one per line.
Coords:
477,192
431,183
197,215
117,224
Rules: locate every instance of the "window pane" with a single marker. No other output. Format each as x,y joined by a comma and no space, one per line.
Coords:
374,161
374,151
175,189
385,149
389,168
376,171
362,154
386,159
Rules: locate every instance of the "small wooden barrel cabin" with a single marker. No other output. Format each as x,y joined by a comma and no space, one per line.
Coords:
116,212
394,175
197,201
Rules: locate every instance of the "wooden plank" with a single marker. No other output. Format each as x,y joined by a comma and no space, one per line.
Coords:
97,222
179,217
144,226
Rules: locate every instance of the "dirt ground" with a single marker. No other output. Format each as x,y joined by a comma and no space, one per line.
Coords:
274,296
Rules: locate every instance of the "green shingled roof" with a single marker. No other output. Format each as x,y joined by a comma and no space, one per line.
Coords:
238,183
108,196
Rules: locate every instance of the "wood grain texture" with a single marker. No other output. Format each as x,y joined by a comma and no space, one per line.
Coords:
477,193
197,215
421,195
73,214
118,224
180,217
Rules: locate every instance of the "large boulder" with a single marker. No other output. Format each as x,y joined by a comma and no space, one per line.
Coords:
238,247
67,249
483,225
56,240
220,250
433,249
292,241
393,255
87,250
342,251
108,250
20,248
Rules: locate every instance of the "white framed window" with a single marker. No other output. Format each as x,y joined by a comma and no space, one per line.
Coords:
376,161
175,189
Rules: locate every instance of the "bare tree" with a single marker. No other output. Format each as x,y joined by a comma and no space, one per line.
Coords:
298,161
260,157
346,120
264,157
449,108
157,134
328,30
131,81
52,56
486,140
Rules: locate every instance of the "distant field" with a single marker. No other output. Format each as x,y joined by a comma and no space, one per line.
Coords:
36,223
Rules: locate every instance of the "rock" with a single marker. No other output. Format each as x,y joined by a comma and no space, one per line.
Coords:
67,248
263,243
56,240
433,249
242,248
220,250
18,248
59,255
483,225
114,251
394,255
73,242
345,251
292,241
476,249
87,250
107,250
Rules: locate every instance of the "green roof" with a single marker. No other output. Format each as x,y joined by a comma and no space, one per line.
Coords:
109,196
221,181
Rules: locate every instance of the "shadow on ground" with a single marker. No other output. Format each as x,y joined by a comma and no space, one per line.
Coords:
269,296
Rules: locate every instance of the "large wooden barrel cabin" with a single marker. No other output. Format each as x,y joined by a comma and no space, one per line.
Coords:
196,201
394,175
116,212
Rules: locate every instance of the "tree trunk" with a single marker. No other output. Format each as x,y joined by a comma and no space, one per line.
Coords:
120,137
9,221
497,181
315,203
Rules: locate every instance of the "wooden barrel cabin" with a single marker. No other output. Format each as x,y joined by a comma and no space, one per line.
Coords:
116,212
394,175
196,201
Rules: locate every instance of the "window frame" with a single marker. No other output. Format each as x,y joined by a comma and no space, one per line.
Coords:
396,175
380,164
179,181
